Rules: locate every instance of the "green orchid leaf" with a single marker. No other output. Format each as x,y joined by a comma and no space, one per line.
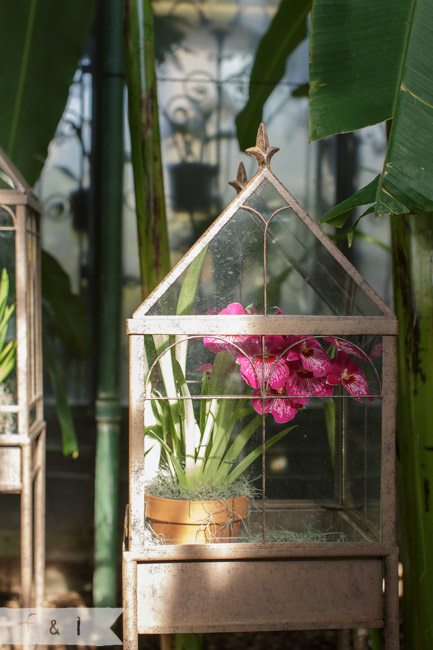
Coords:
4,292
241,439
288,28
220,371
171,458
4,322
204,402
253,455
329,411
189,285
8,352
189,423
8,359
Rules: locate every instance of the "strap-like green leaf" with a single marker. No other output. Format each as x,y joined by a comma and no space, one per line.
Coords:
340,213
246,462
4,292
68,312
237,446
189,285
288,28
8,357
4,324
69,437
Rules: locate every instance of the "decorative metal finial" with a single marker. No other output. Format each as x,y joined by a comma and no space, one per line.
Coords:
262,152
241,179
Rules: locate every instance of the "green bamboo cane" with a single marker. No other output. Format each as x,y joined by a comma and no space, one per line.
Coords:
412,244
145,144
110,176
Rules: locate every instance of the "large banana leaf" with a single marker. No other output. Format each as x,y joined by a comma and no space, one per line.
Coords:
42,41
287,30
372,61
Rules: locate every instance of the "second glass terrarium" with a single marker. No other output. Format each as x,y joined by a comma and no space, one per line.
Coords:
262,388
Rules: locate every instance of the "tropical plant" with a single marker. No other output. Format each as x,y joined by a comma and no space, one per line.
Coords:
372,62
278,375
153,246
388,76
8,352
200,451
36,85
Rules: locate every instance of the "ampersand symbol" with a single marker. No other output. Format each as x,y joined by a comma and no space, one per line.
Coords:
53,626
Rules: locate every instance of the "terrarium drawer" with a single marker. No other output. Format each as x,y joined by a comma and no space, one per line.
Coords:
259,595
10,469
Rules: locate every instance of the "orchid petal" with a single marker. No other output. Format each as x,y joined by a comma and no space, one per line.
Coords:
347,347
314,359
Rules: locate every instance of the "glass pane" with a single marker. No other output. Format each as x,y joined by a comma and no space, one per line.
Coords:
329,289
266,200
297,418
32,305
232,270
364,462
300,276
8,381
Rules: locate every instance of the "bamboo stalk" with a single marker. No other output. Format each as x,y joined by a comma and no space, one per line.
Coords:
412,243
145,144
110,177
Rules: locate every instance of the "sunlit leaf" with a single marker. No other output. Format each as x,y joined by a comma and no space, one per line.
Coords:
340,213
288,28
42,42
373,61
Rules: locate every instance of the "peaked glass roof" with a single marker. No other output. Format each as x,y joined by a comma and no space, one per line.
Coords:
265,251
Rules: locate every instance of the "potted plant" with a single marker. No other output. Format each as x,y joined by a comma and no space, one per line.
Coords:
201,490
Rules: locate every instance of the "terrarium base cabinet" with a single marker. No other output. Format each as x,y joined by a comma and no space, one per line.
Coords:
240,587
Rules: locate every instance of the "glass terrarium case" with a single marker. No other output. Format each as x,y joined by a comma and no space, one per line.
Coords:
262,388
22,427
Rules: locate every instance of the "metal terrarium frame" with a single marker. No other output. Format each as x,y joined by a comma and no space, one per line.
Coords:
257,584
22,431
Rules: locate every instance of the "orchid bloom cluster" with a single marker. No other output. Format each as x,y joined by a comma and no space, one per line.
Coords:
292,369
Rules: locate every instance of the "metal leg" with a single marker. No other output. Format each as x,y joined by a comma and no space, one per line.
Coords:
392,619
26,526
129,590
167,641
343,639
39,533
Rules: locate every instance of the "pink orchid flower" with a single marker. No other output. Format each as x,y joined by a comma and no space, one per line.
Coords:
347,347
302,384
260,369
281,408
376,352
345,371
248,344
312,356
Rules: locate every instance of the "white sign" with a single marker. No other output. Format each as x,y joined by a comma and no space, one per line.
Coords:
59,625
